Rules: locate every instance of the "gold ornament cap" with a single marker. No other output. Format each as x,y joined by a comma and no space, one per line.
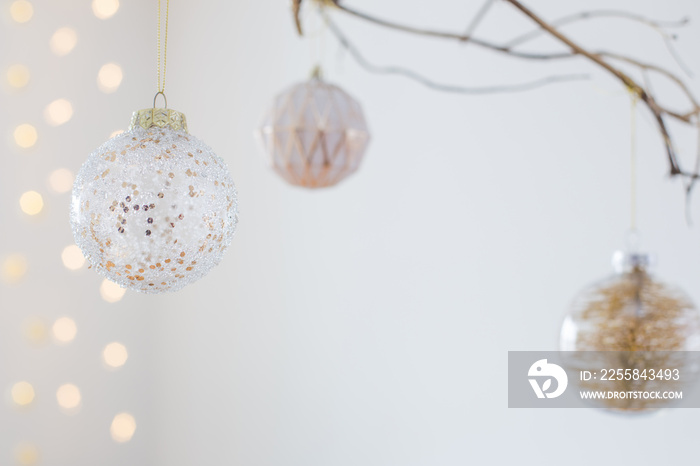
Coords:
159,117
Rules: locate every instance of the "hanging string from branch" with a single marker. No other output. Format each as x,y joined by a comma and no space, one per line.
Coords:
162,57
633,162
317,40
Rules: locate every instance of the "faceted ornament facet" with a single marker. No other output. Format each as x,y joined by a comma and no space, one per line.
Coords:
154,209
315,134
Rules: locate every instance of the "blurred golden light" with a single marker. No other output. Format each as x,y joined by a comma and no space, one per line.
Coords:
123,427
21,11
115,355
63,41
64,329
13,268
109,77
25,136
26,454
104,9
72,257
61,180
58,112
22,393
35,330
31,203
18,76
116,133
111,292
68,396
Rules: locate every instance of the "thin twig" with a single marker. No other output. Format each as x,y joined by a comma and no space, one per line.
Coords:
296,12
675,55
396,70
663,72
690,183
657,26
585,15
478,18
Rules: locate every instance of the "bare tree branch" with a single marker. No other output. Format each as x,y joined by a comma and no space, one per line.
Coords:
586,15
657,69
479,42
449,35
651,104
396,70
602,59
657,26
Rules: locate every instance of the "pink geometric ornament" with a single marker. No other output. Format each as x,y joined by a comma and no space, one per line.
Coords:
314,135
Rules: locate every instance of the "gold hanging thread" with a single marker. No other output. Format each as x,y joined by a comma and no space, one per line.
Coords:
160,117
161,83
633,162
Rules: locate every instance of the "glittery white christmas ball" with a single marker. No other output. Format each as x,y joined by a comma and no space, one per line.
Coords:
154,208
315,134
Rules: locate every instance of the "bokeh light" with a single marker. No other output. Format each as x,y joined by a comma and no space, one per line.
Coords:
109,77
64,330
61,180
104,9
68,397
111,292
27,454
115,355
18,76
123,427
25,136
63,41
58,112
72,257
14,267
22,393
31,203
21,11
35,331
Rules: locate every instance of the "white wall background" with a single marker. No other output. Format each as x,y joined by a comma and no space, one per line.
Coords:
365,324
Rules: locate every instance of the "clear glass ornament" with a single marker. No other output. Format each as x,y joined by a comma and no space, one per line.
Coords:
632,321
315,134
631,311
154,208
